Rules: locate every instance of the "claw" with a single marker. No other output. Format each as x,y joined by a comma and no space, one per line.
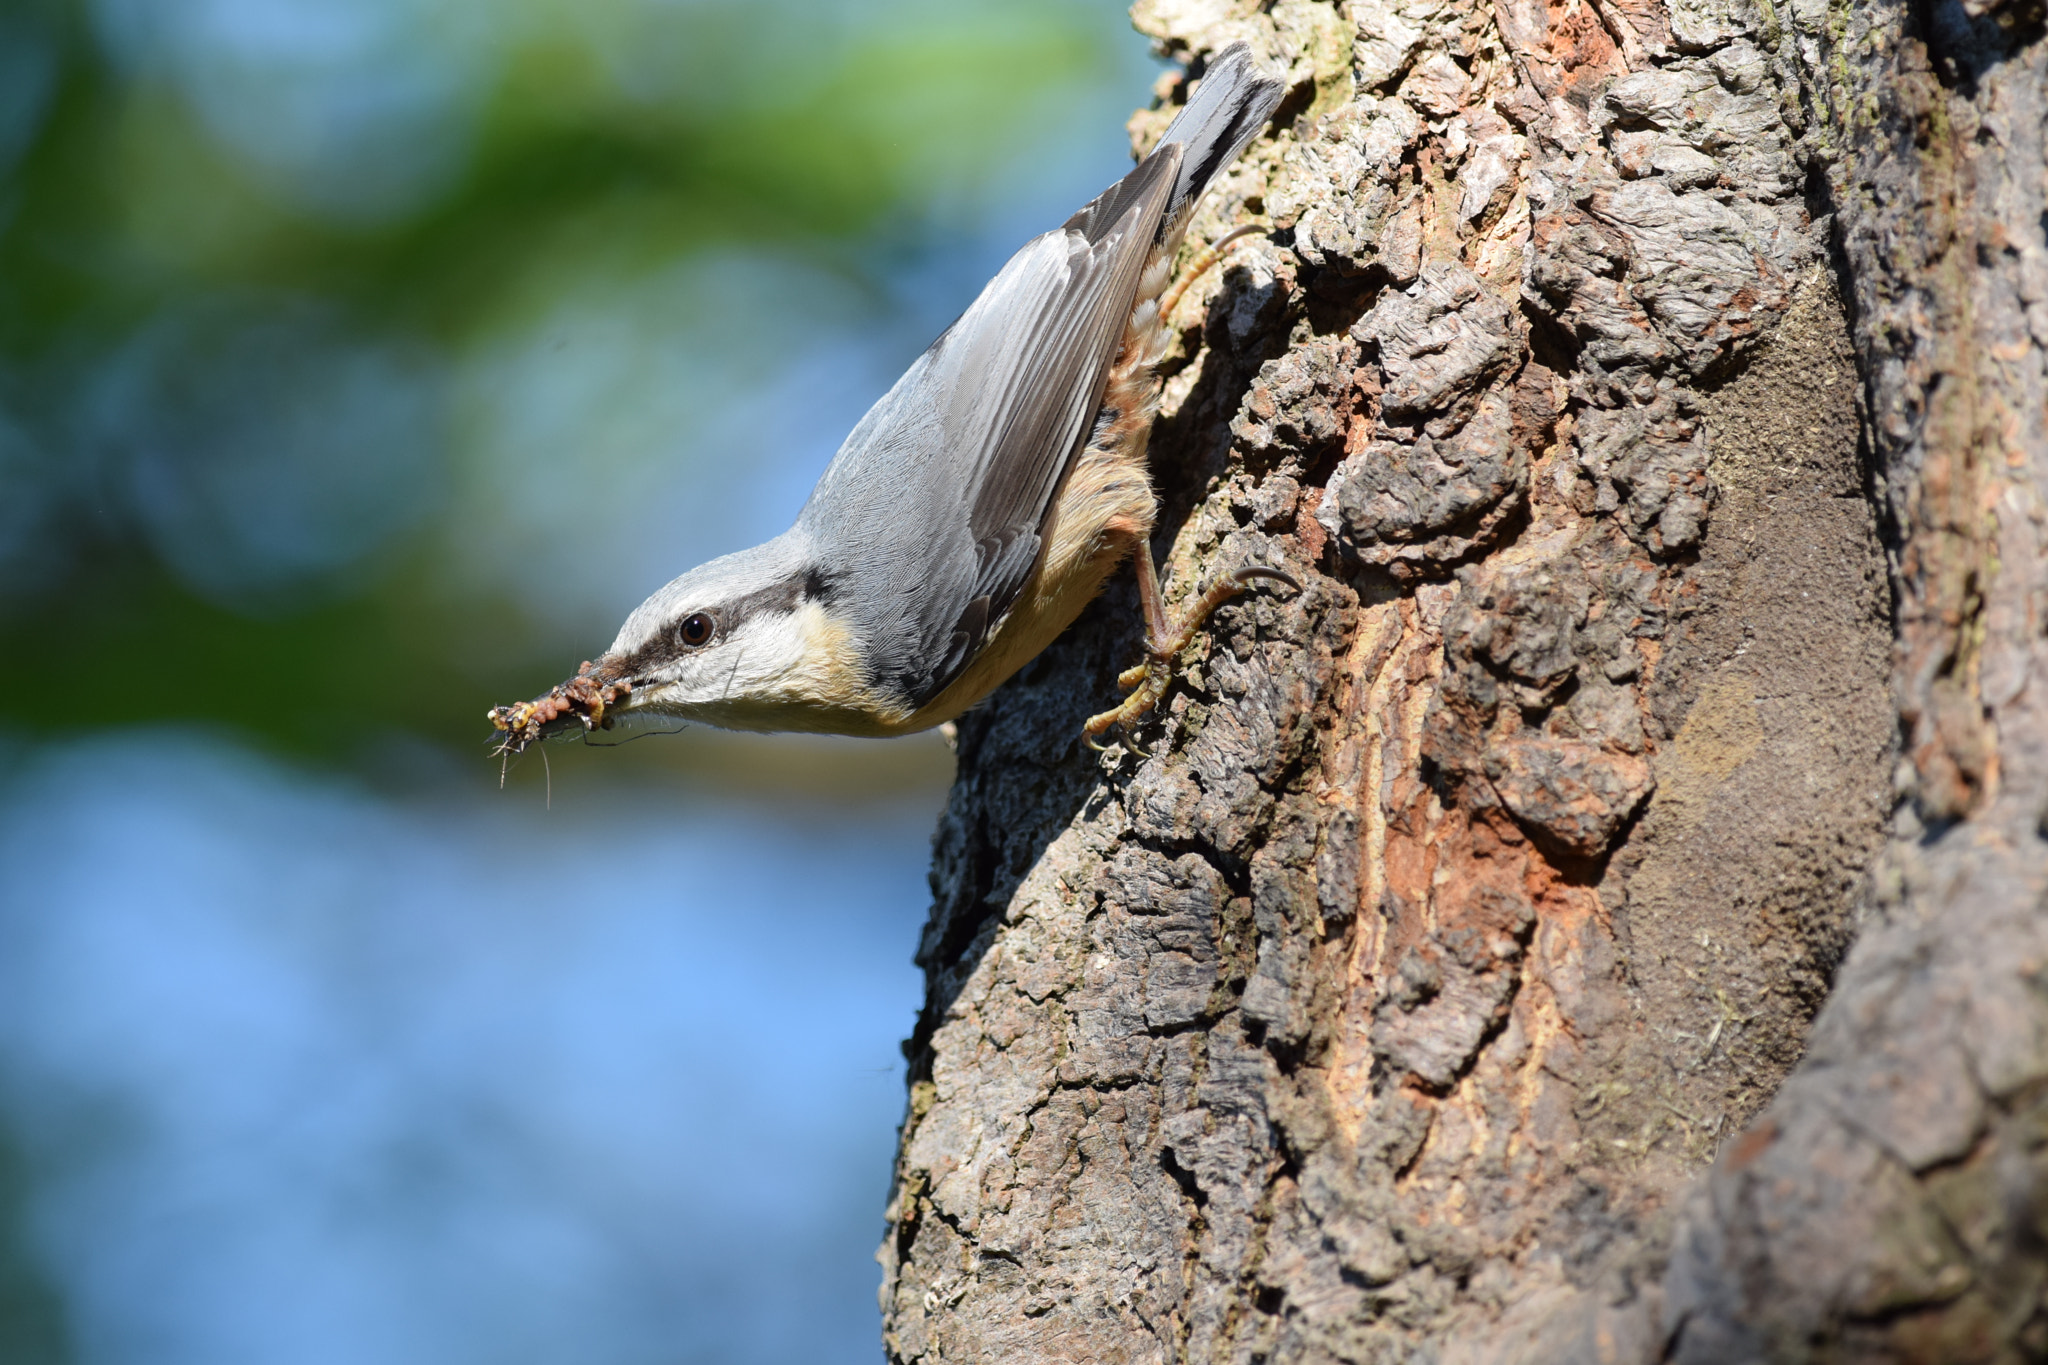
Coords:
1147,683
1148,680
1246,576
1203,259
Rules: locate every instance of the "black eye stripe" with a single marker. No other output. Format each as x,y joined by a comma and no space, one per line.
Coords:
698,629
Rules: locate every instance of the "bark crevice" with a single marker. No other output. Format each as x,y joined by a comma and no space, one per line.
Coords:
1650,400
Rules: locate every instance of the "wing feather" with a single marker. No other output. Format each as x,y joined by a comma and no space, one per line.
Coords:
943,490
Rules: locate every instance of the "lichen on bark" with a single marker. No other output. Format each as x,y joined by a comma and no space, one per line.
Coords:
1652,457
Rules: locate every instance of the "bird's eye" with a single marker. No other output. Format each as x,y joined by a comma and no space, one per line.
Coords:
697,629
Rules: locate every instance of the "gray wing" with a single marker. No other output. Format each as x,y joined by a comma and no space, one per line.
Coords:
934,508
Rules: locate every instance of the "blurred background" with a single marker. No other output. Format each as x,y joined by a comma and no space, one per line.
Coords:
362,362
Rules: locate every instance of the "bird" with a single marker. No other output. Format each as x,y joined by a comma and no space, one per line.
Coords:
975,510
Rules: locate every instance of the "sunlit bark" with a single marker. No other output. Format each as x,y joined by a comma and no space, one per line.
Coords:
1652,400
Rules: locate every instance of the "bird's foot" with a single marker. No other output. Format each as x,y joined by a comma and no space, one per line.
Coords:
1203,260
1147,681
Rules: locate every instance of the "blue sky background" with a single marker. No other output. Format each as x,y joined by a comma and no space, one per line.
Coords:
361,363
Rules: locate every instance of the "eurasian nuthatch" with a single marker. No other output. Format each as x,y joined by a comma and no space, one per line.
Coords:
976,509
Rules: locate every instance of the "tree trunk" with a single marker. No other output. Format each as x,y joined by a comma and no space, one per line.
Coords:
1652,402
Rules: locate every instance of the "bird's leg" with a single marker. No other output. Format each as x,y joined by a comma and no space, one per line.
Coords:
1147,681
1199,267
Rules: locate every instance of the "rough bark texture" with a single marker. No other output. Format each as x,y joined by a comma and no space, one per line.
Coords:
1652,401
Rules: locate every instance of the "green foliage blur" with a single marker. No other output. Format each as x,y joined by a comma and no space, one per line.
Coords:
286,444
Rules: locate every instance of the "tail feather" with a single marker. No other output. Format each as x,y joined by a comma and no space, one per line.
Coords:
1231,105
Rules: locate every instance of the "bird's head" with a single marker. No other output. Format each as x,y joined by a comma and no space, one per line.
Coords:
746,642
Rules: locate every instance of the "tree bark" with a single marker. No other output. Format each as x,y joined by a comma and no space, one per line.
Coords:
1652,402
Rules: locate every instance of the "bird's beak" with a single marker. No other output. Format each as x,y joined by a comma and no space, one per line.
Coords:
583,703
